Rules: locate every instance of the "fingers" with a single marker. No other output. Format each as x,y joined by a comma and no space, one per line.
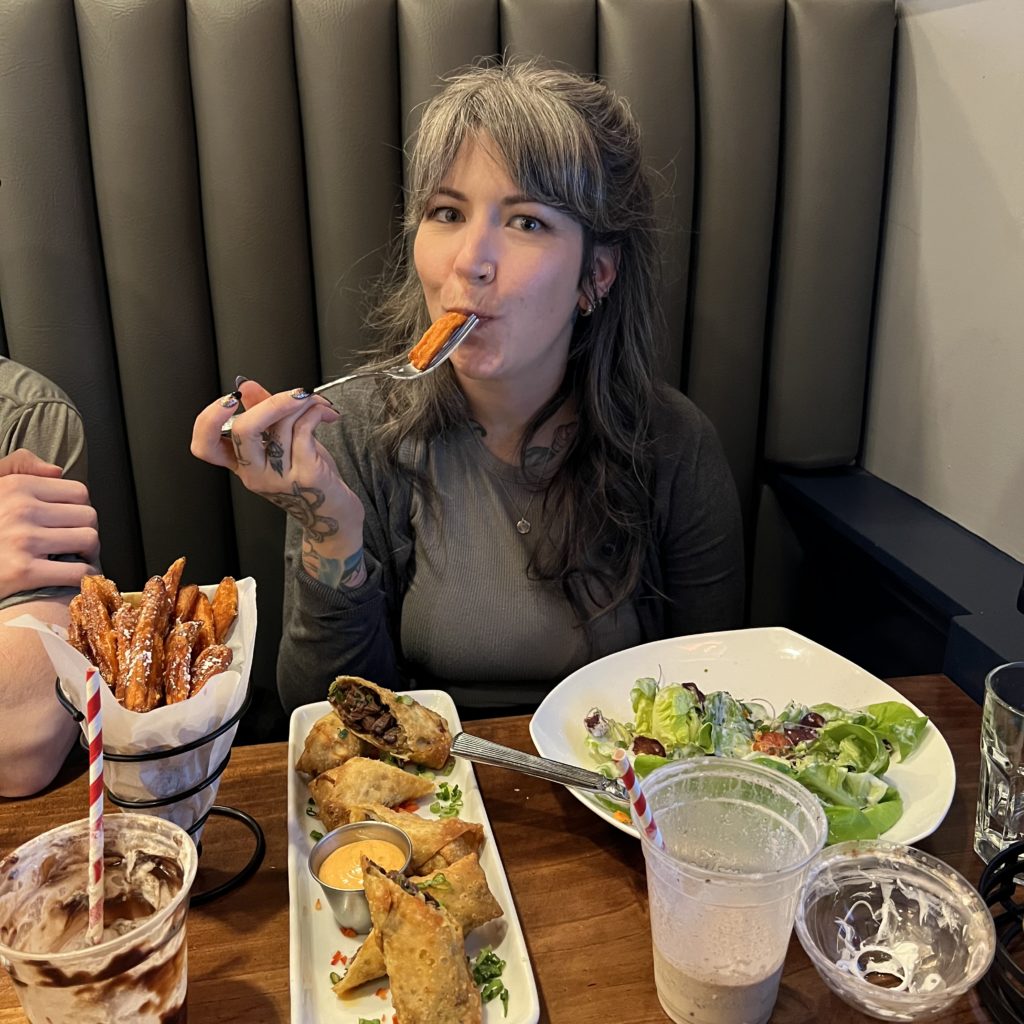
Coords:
263,437
24,461
306,450
52,514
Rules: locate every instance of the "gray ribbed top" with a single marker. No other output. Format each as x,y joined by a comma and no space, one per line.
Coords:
452,604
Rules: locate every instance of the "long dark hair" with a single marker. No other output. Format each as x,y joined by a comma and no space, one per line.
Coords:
572,144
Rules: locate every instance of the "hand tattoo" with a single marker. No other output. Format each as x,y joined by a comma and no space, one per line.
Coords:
238,450
301,505
274,451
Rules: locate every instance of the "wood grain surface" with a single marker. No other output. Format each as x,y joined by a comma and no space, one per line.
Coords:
578,884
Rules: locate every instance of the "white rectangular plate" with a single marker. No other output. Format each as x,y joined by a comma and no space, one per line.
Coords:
315,937
772,664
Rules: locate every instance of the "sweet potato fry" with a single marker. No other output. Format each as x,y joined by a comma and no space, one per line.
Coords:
225,607
76,632
433,338
97,626
178,660
203,612
141,691
124,622
106,590
172,581
209,662
186,603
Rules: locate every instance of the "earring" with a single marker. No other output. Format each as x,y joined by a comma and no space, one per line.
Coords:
588,308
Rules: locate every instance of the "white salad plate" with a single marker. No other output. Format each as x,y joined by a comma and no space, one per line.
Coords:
315,936
770,664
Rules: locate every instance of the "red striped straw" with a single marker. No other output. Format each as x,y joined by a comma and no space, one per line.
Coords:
636,795
94,732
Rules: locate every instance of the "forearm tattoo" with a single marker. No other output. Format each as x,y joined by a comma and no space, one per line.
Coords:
301,505
333,571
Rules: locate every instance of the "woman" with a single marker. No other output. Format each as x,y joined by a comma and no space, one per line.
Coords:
537,502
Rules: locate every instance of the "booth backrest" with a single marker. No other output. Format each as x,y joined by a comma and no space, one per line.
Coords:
195,190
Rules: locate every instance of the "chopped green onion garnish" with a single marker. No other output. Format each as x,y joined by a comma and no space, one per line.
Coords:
311,811
437,882
316,836
335,978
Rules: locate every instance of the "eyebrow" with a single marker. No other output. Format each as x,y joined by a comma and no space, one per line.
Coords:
512,200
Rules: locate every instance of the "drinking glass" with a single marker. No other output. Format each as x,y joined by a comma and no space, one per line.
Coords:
1000,818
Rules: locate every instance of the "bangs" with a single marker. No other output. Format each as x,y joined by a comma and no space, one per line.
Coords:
542,140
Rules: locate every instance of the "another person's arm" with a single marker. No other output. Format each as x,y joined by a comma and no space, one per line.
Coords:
45,511
35,731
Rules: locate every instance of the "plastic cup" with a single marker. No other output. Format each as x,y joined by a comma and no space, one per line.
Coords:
723,893
139,972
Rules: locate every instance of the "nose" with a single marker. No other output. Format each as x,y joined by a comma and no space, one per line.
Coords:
476,260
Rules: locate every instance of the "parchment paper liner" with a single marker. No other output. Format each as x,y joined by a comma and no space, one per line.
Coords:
163,728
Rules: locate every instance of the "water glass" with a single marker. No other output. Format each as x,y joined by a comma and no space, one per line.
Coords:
1000,818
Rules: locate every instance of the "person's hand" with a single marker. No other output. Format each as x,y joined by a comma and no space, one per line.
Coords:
43,515
274,454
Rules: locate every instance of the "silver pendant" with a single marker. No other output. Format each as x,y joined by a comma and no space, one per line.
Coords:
523,526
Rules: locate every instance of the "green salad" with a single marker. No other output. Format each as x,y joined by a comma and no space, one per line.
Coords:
837,753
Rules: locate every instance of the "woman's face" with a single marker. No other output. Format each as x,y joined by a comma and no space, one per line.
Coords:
484,248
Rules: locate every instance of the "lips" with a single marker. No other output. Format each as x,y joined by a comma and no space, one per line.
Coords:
467,310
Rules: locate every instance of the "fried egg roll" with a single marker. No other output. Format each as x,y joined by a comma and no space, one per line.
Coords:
396,725
337,790
329,744
461,889
423,952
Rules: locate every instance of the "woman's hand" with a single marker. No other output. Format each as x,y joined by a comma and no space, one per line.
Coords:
273,452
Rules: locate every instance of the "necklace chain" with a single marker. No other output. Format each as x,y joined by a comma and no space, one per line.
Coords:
523,525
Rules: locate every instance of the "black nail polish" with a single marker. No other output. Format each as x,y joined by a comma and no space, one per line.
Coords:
239,381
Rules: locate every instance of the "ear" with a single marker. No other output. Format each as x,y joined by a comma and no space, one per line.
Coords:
604,267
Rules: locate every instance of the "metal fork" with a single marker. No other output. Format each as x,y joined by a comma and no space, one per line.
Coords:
473,748
401,370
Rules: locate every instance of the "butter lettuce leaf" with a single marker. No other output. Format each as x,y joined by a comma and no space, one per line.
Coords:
899,726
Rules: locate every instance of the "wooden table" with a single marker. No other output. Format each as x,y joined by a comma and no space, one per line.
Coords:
578,884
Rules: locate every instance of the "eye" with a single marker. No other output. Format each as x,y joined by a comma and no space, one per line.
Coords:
443,214
527,223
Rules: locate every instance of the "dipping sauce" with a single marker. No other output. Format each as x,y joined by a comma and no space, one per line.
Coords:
342,869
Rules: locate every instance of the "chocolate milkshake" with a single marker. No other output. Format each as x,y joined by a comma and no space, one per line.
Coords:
138,971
